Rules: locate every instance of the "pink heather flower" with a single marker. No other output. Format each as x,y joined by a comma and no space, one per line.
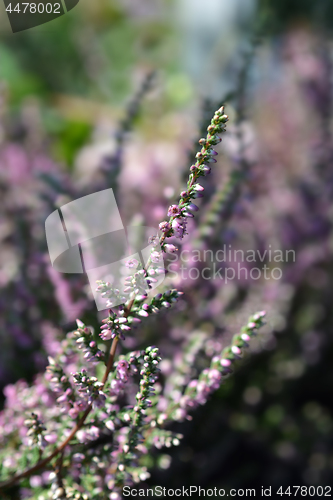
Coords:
153,240
110,425
122,370
143,313
192,207
79,405
173,211
73,413
132,263
198,194
214,379
116,386
165,226
36,481
236,350
225,362
179,227
170,248
214,374
202,396
260,314
188,215
51,438
81,435
205,169
187,402
202,386
106,334
155,257
65,396
98,401
93,433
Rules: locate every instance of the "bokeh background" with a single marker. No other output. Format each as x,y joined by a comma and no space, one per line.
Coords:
65,93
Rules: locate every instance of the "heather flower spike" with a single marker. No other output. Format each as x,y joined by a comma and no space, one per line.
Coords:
210,379
176,226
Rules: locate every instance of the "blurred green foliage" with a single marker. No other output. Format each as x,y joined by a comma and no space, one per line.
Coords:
91,53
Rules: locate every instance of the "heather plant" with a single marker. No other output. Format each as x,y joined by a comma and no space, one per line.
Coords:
92,427
270,421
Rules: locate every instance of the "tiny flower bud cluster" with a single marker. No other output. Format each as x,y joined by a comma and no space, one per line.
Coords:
124,368
87,343
36,431
160,301
233,352
90,389
61,385
149,373
114,326
198,391
112,295
178,214
161,437
139,282
73,494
